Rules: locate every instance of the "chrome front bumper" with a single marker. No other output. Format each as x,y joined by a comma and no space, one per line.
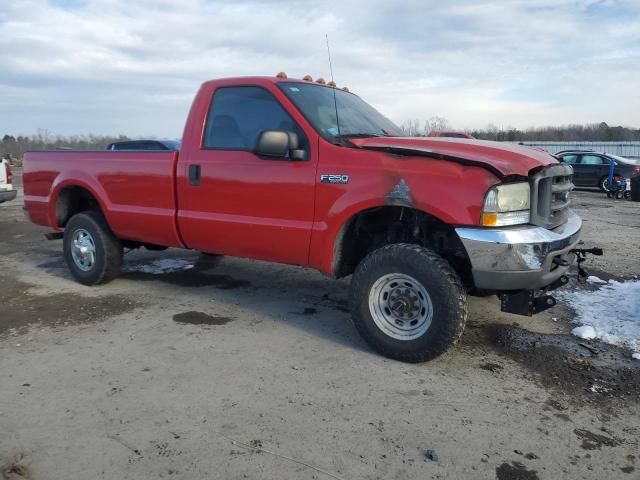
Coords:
520,258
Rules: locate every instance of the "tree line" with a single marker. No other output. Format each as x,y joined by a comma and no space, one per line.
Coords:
596,132
44,140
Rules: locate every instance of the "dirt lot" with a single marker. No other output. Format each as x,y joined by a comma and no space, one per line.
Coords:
246,369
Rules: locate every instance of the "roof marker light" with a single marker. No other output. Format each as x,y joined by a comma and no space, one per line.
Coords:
321,81
308,78
281,75
332,84
346,89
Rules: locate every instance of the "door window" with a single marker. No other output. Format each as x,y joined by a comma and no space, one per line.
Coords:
569,159
591,160
238,115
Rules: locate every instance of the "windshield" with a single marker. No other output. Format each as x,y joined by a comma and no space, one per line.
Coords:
625,159
355,116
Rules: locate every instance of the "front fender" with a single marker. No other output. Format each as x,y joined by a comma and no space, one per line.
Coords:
453,196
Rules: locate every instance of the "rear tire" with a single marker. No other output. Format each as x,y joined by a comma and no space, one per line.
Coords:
408,303
92,252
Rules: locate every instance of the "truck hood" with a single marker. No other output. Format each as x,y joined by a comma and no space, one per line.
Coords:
504,159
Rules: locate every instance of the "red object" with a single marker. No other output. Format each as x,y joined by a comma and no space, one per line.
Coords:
7,169
249,206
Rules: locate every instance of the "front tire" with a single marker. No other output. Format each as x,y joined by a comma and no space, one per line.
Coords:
604,184
92,252
408,303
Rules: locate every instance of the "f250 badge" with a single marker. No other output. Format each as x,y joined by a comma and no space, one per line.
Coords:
333,178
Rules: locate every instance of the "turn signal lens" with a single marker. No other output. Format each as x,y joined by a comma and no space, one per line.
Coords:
489,219
505,219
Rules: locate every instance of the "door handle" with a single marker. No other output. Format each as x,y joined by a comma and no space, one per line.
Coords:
194,175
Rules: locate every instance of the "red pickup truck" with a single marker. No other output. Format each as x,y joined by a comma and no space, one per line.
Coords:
304,173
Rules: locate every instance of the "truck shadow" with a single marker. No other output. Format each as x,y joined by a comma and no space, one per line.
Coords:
298,297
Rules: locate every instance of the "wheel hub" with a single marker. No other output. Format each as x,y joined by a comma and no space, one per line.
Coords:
400,306
83,250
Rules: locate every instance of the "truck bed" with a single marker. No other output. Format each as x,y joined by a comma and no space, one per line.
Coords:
135,189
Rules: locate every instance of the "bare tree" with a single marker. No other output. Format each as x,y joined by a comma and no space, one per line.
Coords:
411,128
436,124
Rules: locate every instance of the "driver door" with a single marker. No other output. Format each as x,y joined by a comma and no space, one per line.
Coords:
243,204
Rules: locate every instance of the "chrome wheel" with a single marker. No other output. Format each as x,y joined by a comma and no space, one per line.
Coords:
83,250
400,306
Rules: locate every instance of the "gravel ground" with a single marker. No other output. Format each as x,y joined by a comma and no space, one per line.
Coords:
244,369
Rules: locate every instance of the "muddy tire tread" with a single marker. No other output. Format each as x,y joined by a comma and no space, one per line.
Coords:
449,333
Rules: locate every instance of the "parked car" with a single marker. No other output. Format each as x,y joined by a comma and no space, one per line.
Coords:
436,133
591,169
145,145
303,173
7,192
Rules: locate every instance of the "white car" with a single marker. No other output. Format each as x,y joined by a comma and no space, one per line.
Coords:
7,192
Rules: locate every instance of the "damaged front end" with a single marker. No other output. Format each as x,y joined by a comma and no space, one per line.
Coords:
530,302
523,264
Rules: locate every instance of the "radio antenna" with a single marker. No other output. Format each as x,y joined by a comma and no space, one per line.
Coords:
335,102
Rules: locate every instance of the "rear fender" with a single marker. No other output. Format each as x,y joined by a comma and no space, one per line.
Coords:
76,178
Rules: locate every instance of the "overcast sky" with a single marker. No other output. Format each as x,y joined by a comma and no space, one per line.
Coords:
133,66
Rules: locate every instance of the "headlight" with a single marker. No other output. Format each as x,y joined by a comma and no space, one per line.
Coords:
507,204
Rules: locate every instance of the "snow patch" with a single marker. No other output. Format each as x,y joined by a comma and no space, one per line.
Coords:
636,356
611,313
163,265
585,331
595,388
594,279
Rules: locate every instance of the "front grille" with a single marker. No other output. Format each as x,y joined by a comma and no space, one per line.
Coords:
550,191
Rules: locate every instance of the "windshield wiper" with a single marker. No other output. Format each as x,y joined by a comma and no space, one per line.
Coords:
359,135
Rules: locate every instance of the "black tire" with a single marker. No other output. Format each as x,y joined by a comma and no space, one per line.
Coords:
444,289
108,249
603,184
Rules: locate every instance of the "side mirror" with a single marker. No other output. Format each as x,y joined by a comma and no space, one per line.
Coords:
277,143
273,143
